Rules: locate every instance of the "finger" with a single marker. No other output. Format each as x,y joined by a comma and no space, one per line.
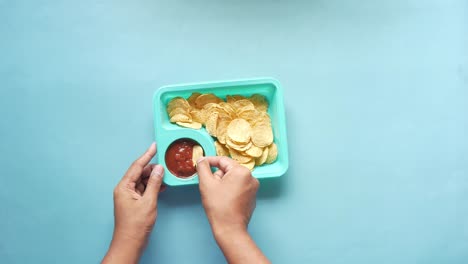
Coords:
204,170
146,174
218,174
256,183
163,188
147,171
154,183
140,188
136,169
144,159
223,163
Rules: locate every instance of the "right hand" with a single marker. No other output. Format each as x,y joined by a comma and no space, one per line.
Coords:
228,195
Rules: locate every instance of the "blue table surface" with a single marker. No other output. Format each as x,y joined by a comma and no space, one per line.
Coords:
376,96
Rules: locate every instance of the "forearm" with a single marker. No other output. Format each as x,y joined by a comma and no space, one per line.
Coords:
123,250
238,246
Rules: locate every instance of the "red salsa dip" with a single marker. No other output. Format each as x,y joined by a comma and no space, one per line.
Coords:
179,158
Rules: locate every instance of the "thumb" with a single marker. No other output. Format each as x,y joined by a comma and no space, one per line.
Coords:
154,182
204,170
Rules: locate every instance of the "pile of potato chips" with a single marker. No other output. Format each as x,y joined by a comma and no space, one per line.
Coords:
241,125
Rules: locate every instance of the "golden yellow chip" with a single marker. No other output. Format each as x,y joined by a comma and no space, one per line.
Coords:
251,116
259,102
239,131
221,137
232,98
260,160
238,146
178,110
221,129
210,107
197,152
243,105
198,116
228,109
204,99
237,156
249,165
260,118
177,102
194,125
180,118
272,153
262,134
212,123
221,150
191,100
225,114
254,151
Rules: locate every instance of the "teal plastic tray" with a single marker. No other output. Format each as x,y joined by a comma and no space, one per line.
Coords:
166,132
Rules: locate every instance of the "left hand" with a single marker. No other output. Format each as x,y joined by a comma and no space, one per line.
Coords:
135,208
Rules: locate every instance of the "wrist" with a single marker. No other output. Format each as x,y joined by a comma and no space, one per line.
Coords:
237,245
125,248
128,240
223,232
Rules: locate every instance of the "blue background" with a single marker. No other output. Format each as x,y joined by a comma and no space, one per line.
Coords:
376,96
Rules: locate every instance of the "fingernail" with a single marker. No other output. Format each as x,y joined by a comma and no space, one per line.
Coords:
200,159
157,171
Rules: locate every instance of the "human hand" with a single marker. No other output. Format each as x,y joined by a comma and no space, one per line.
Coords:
228,195
135,209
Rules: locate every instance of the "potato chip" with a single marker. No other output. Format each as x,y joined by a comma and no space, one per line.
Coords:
262,134
242,105
211,107
272,153
239,131
238,146
191,100
225,114
198,116
260,160
260,117
180,118
197,152
194,125
221,137
260,102
178,110
177,102
254,151
228,109
211,124
237,156
232,98
221,150
251,116
221,129
204,99
249,165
